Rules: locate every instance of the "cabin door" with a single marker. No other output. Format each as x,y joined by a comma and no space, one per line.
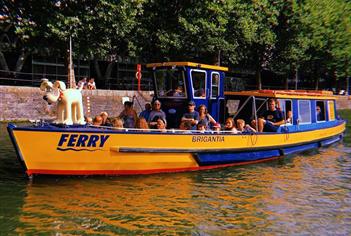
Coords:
215,94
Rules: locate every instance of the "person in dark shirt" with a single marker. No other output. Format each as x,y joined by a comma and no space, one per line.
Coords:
192,116
146,113
271,119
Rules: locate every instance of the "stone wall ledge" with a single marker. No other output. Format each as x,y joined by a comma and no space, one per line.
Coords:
26,103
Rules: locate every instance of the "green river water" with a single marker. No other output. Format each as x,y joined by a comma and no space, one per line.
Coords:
305,194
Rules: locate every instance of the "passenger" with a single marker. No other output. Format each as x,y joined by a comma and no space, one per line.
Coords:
191,115
216,127
270,120
142,124
128,115
230,126
146,113
205,117
161,125
319,113
289,117
97,120
201,126
185,125
155,114
91,84
117,123
200,93
82,83
179,92
243,128
105,119
89,120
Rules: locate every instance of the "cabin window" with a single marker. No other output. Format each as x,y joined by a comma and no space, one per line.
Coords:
170,83
320,111
215,85
331,110
232,106
286,107
198,79
304,111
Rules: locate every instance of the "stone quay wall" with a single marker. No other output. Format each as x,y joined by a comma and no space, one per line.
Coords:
27,103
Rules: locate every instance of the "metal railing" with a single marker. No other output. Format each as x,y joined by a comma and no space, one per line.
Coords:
13,78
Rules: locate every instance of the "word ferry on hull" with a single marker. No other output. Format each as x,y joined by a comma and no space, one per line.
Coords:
51,148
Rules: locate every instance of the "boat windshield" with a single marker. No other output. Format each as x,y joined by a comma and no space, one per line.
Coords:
170,83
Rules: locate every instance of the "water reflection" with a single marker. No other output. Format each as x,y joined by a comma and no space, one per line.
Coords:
307,194
302,195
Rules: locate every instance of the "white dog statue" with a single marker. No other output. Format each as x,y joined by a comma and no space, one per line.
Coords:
69,102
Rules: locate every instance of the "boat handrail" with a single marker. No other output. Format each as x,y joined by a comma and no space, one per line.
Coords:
166,131
242,106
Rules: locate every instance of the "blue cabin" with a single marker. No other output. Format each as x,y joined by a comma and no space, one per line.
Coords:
177,83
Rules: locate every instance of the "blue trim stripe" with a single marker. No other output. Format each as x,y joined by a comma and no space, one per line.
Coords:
224,158
301,148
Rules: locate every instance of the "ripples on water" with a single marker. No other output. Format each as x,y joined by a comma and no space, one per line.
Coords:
305,194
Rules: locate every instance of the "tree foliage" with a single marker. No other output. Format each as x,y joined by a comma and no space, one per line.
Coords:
278,35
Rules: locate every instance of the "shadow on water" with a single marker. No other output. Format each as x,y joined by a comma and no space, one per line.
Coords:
308,193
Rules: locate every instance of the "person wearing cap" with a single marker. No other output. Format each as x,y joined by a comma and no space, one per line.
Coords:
216,127
192,116
155,114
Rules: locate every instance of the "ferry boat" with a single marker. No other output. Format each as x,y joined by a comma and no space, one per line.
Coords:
53,149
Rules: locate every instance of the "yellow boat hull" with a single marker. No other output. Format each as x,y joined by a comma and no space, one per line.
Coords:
96,151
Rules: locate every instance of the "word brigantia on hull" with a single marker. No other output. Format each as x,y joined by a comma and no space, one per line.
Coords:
198,126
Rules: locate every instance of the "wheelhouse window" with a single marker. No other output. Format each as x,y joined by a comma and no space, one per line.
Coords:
320,111
198,79
331,109
286,107
304,111
170,83
215,85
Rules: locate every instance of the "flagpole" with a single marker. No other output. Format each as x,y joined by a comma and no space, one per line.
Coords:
71,79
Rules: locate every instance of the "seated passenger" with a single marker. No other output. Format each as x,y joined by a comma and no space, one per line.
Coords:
243,128
185,125
205,117
89,120
128,115
155,114
105,119
200,93
97,121
142,124
270,120
161,125
289,117
179,92
192,116
201,126
117,123
230,126
216,127
146,113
